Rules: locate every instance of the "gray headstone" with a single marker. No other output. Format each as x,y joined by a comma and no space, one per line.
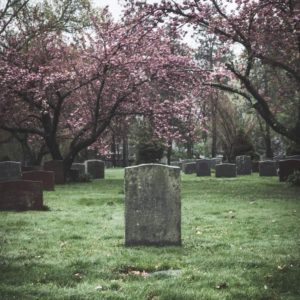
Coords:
189,168
10,170
203,167
215,161
152,205
226,170
243,165
267,168
95,168
80,167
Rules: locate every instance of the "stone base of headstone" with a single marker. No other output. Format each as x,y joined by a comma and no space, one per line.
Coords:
226,170
57,167
152,205
203,167
95,168
267,168
21,195
46,177
288,167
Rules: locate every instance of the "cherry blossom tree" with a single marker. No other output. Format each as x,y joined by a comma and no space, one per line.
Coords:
72,89
266,31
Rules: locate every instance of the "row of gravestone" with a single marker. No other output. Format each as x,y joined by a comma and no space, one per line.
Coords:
152,204
22,187
243,166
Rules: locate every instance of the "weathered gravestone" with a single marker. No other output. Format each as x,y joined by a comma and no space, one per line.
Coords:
95,168
267,168
21,195
203,167
189,168
152,205
57,167
287,167
46,177
243,165
10,170
226,170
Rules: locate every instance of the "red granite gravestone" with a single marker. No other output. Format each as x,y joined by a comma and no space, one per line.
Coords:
46,177
287,167
21,195
57,167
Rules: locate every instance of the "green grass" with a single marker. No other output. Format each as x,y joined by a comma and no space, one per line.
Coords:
241,240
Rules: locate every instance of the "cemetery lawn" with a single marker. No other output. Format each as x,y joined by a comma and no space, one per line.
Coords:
241,240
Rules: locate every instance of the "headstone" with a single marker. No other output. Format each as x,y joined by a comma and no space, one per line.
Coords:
95,168
297,157
10,170
21,195
215,161
80,167
203,167
189,168
255,166
226,170
46,177
31,168
152,205
57,167
243,165
267,168
287,167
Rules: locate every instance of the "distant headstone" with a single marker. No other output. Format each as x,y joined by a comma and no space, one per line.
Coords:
152,205
255,166
57,167
21,195
10,170
203,167
243,165
215,161
297,157
189,168
226,170
80,167
46,177
267,168
95,168
287,167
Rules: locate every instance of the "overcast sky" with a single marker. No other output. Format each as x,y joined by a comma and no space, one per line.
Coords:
114,6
